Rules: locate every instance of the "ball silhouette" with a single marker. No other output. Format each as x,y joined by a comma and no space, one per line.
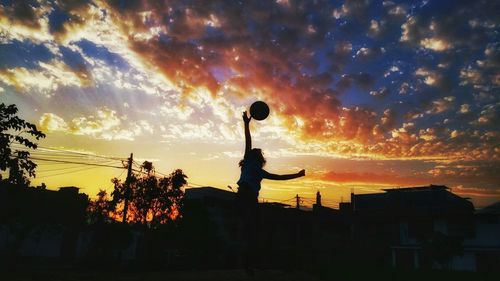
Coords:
259,110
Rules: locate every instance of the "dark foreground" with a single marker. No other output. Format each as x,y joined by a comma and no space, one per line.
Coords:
188,275
157,276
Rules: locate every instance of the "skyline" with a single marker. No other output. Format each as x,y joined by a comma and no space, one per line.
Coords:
364,95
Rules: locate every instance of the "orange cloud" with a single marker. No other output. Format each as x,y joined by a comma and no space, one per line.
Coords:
372,178
477,192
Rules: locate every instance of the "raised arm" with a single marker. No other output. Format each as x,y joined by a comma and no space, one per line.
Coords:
284,177
248,137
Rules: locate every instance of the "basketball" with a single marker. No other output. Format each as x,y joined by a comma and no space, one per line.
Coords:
259,110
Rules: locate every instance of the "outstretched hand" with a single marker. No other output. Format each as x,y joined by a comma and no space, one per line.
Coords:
246,118
301,173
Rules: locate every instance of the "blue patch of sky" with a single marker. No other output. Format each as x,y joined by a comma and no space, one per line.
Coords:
212,31
376,67
72,59
102,53
57,18
441,7
251,25
436,120
320,56
127,4
165,39
221,73
194,42
32,3
23,54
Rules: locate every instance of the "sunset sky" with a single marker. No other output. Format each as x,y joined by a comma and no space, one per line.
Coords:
364,95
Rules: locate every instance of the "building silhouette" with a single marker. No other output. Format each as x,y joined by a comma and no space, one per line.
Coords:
415,227
37,222
423,227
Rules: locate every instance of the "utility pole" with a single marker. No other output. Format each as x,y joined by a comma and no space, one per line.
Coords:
318,199
297,202
127,187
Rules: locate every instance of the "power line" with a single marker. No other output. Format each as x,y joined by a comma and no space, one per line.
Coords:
72,162
79,160
68,152
196,185
121,174
53,156
49,159
70,172
165,175
74,166
43,164
290,199
47,154
44,152
274,199
153,173
139,166
71,156
84,154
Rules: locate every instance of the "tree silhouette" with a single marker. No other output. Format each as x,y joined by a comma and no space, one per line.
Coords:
99,210
15,160
153,200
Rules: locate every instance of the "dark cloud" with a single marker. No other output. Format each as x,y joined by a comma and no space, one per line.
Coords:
363,80
22,12
455,22
340,55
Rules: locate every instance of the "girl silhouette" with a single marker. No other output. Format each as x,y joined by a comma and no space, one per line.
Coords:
252,173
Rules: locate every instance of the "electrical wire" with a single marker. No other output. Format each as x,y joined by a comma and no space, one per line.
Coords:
69,157
58,160
68,153
84,154
74,162
196,185
71,172
120,174
54,162
73,166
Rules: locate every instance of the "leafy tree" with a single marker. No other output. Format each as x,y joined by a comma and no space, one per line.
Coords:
15,160
152,200
100,210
